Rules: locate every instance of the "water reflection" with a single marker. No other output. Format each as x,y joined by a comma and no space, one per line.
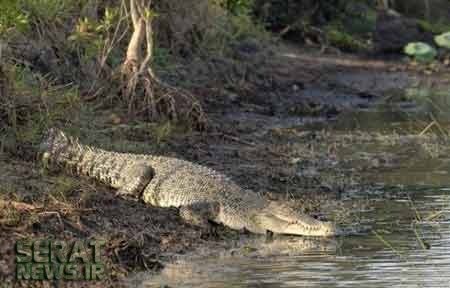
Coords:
351,261
400,111
409,240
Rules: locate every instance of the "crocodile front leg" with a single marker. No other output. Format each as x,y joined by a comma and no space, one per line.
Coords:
199,214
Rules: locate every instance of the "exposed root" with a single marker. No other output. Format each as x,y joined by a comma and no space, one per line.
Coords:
147,94
142,88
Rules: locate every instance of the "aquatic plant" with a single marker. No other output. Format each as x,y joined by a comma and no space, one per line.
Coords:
443,40
421,52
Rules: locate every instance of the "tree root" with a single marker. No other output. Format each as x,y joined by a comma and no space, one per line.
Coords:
142,88
150,96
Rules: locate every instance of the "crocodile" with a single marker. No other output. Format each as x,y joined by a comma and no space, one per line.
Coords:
202,194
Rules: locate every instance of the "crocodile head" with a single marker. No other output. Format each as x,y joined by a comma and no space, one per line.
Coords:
306,226
282,219
53,148
53,140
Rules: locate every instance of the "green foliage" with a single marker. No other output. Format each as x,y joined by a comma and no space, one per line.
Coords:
443,40
243,26
162,132
230,29
89,36
48,10
162,58
337,37
35,103
86,37
236,25
421,52
435,28
360,25
150,14
236,7
19,14
425,25
11,17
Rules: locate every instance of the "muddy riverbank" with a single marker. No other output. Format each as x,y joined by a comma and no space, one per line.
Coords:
276,134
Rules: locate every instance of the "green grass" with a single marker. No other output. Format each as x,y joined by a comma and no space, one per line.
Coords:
435,28
12,17
343,40
48,10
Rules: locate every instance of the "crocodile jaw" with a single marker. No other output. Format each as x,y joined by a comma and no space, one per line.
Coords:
323,229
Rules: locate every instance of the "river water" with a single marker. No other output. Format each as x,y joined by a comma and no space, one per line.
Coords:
400,251
405,241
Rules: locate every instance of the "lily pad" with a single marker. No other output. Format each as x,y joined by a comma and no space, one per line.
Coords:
422,52
443,40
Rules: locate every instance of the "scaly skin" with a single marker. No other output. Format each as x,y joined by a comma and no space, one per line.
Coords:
201,193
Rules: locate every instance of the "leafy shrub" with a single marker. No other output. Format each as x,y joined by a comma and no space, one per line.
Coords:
48,10
191,26
420,51
19,14
443,40
12,17
435,28
238,6
337,37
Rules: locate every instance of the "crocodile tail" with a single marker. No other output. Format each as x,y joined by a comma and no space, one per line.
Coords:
125,172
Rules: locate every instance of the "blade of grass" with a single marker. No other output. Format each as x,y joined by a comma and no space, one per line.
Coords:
413,207
434,216
387,244
429,126
419,239
444,133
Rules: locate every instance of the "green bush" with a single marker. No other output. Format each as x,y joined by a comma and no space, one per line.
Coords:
19,14
12,17
443,40
435,28
48,10
236,6
421,52
337,37
230,29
